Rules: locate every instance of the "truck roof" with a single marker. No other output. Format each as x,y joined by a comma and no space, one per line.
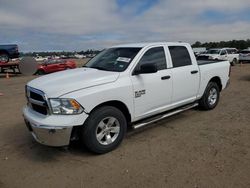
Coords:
141,45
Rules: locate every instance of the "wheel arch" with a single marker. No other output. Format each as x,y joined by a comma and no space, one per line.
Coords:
217,80
117,104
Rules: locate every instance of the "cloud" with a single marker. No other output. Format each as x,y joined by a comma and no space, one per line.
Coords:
82,24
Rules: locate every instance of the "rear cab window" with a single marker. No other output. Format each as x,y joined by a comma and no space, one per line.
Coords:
180,56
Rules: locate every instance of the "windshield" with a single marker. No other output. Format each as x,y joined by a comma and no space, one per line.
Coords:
213,51
113,59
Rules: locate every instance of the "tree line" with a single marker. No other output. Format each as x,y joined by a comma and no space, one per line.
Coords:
63,53
239,44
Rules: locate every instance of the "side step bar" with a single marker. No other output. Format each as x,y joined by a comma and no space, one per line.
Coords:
162,116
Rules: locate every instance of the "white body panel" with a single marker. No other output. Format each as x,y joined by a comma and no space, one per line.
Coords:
57,84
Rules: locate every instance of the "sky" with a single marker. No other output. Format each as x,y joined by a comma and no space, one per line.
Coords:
75,25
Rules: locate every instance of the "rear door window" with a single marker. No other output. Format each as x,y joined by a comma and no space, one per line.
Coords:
180,56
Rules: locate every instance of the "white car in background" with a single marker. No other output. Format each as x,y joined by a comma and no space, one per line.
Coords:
79,56
40,58
244,55
229,54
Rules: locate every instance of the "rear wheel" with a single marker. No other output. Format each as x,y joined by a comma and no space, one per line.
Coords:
4,57
210,97
104,129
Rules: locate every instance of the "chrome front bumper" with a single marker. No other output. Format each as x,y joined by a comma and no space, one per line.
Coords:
52,130
51,136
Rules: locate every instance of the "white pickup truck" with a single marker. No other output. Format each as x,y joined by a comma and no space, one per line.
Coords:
123,86
226,54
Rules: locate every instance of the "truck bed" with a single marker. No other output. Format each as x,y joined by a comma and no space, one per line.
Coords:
204,62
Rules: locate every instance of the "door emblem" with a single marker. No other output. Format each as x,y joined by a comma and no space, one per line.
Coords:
140,93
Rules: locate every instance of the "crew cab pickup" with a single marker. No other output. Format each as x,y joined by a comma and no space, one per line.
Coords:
8,51
124,86
229,54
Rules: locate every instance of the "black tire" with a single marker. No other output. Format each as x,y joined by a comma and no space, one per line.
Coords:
91,127
234,62
4,57
206,102
40,72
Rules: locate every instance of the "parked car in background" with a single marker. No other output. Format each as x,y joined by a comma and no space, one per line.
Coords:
229,54
79,56
40,58
198,51
8,52
244,55
55,65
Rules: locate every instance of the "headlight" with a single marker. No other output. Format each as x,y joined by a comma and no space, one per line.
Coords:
65,106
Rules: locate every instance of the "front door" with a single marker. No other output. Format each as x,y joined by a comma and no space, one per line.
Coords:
152,92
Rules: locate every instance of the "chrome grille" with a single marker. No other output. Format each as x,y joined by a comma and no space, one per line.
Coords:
36,100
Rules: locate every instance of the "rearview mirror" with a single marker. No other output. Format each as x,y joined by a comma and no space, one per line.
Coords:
147,68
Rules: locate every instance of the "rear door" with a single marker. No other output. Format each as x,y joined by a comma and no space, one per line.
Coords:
152,92
185,75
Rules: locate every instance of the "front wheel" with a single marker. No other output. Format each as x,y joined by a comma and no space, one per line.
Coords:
104,129
210,97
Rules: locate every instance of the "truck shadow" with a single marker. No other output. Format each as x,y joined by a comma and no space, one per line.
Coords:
26,147
22,146
166,123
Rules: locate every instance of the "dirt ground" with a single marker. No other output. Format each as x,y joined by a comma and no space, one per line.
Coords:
192,149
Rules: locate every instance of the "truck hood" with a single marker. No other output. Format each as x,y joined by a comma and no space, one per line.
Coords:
57,84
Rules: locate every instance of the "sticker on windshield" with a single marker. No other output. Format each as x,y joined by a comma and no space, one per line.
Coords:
123,59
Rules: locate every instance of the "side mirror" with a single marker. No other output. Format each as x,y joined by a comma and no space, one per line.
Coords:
147,68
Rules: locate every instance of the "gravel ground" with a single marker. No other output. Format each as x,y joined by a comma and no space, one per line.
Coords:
192,149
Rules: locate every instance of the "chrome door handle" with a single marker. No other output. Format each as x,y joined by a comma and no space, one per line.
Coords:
165,77
194,72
